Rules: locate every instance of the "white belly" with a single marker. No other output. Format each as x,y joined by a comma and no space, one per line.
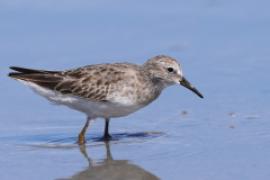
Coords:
101,109
93,109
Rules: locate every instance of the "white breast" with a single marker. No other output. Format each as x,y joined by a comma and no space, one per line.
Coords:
91,108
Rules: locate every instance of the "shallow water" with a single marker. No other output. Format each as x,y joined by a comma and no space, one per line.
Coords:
224,50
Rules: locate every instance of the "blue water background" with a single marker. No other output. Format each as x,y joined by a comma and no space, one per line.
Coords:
223,47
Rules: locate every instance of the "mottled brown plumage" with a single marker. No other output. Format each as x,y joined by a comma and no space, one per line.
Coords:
106,90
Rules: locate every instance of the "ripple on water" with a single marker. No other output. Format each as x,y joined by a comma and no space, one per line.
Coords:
66,141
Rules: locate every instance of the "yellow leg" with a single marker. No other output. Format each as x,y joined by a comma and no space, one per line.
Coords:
81,137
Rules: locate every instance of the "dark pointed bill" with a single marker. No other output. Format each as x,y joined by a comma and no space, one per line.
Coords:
187,84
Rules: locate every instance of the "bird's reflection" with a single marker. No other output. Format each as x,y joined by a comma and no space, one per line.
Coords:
111,169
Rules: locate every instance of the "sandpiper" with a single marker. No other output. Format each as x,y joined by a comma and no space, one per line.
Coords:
105,90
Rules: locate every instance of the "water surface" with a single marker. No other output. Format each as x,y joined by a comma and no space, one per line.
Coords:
224,50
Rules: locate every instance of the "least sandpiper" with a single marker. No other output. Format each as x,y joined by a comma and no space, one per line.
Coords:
105,90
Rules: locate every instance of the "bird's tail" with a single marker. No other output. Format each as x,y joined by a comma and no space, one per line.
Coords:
48,79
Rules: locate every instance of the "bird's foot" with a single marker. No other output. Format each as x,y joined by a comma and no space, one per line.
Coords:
81,139
107,137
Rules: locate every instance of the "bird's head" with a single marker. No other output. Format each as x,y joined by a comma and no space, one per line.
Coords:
167,71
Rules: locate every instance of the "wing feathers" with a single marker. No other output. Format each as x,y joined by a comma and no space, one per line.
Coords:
47,79
29,71
92,82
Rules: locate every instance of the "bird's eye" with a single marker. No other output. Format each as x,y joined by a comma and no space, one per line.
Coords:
170,69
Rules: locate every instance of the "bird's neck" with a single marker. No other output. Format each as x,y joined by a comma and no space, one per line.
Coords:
149,92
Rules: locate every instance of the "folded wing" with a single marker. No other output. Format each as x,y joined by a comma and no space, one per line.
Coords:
86,82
